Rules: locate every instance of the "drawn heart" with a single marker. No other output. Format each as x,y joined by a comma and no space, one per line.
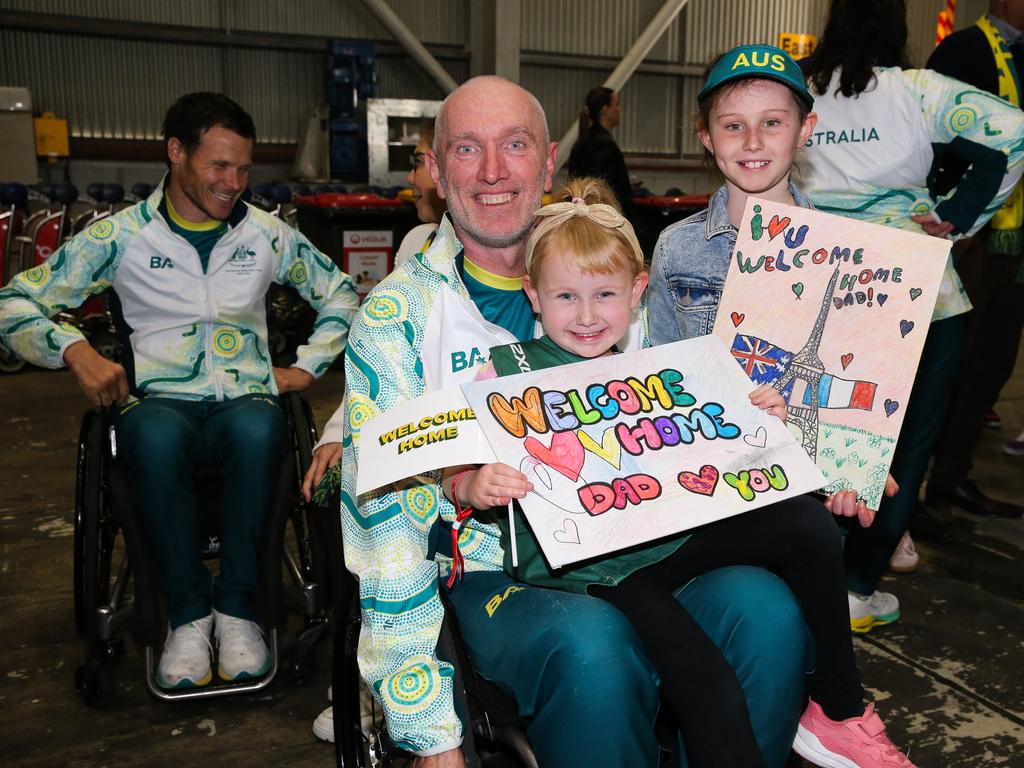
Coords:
890,407
776,225
846,359
565,454
914,293
703,483
880,298
543,483
532,465
758,439
568,533
906,326
737,318
798,288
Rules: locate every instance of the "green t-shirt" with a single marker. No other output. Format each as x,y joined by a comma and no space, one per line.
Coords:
202,237
608,571
501,300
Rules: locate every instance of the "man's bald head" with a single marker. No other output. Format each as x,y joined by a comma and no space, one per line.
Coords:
485,84
492,160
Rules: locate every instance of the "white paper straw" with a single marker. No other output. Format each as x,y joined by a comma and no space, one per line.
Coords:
512,535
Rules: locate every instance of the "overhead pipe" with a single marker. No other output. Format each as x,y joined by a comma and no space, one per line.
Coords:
625,69
412,46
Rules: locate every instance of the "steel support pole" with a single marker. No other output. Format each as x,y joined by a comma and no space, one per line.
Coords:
655,29
412,46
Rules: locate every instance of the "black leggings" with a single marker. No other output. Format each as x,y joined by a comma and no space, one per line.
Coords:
797,539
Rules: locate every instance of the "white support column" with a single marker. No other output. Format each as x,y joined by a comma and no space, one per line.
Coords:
412,46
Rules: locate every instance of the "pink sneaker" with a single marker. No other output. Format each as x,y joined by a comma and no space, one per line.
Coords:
859,742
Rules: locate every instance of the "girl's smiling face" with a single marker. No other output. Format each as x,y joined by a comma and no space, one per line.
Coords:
586,313
753,131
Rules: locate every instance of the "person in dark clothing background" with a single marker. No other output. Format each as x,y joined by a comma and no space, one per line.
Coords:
990,56
595,152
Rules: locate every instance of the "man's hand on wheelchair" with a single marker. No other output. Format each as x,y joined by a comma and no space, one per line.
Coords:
450,759
292,379
324,457
103,382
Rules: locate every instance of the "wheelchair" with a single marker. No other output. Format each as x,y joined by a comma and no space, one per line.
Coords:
110,554
493,736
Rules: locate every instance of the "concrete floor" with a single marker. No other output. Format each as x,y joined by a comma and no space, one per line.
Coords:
948,677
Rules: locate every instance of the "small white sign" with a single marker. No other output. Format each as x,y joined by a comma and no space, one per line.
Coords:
435,430
368,256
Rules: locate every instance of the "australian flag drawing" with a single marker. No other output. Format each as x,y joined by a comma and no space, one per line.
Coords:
761,360
766,363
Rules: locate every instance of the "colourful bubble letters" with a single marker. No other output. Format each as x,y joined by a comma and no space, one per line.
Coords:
750,482
598,498
563,411
663,431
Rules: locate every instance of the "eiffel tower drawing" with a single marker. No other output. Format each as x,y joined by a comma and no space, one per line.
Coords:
807,367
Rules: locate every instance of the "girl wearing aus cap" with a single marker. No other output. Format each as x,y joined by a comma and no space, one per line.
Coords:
585,279
917,120
754,112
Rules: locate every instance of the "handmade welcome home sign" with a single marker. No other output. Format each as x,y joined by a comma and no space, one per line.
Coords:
833,312
436,430
629,448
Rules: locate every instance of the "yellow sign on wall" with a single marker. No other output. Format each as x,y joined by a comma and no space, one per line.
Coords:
51,136
797,44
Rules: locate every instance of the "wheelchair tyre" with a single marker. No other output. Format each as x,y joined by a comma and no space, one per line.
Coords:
9,362
96,682
303,663
95,529
88,480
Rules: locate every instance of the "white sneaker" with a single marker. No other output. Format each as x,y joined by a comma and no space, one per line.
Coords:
872,610
241,652
904,558
369,716
185,661
323,726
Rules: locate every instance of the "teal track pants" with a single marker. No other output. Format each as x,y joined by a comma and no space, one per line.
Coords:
163,441
582,685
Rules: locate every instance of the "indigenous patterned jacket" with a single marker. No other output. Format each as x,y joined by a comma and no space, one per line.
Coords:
190,335
417,331
869,157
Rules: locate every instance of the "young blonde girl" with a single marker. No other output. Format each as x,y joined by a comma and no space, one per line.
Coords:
585,279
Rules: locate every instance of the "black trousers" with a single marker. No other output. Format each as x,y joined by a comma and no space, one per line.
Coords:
798,539
990,353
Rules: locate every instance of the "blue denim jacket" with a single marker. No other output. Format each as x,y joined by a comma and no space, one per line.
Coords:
688,272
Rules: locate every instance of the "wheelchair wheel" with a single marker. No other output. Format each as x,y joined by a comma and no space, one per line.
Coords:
95,528
96,682
96,678
10,362
89,466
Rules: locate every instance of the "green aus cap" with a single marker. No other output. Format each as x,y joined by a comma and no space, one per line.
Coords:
762,61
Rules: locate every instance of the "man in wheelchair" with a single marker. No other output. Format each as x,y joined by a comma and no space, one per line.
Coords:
582,686
189,268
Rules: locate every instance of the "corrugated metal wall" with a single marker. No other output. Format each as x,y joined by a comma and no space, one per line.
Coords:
119,88
594,28
437,21
116,88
